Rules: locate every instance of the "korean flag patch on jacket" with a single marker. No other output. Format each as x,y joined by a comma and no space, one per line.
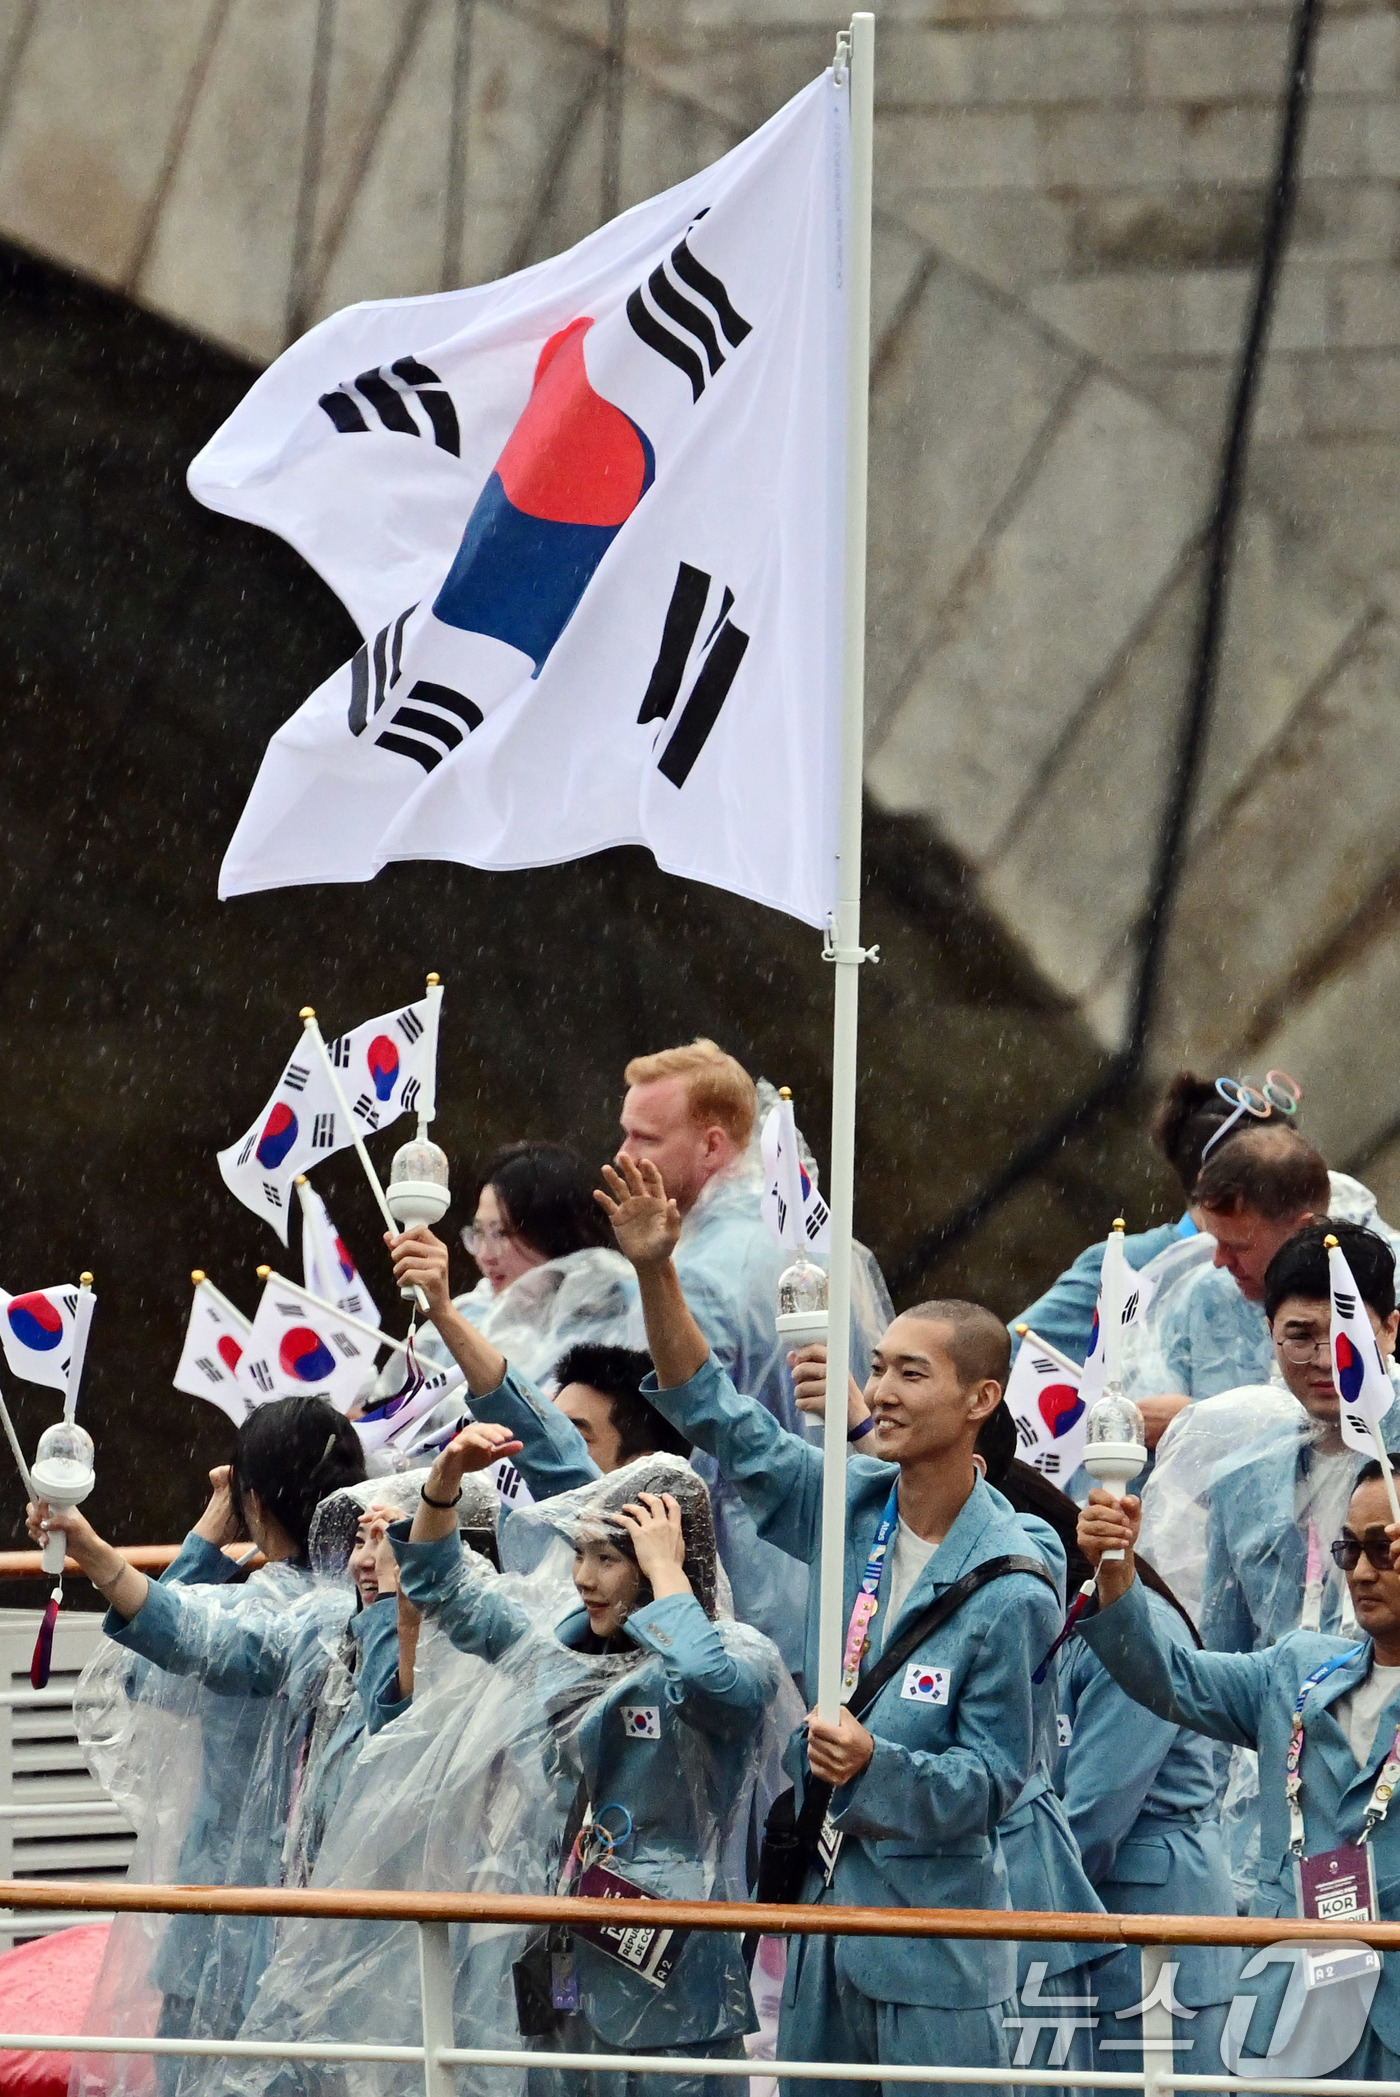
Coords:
925,1685
641,1721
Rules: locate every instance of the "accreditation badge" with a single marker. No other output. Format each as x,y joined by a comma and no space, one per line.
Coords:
1337,1885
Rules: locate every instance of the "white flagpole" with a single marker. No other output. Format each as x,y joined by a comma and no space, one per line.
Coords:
427,1102
82,1326
1030,1338
855,53
308,1020
218,1298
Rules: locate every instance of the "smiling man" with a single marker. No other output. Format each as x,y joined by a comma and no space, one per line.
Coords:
1328,1706
950,1740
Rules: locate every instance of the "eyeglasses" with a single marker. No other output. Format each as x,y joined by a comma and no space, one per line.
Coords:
1301,1351
491,1239
1348,1553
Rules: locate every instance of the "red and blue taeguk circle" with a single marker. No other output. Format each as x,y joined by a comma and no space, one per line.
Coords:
278,1136
1351,1370
305,1355
347,1265
925,1683
383,1061
35,1322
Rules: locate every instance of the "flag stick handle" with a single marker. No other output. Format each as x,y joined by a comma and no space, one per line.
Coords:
312,1025
843,946
1031,1338
427,1102
13,1439
332,1310
82,1326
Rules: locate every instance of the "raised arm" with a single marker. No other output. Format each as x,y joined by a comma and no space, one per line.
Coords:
421,1259
778,1474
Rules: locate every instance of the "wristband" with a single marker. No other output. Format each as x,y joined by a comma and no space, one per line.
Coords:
855,1433
442,1506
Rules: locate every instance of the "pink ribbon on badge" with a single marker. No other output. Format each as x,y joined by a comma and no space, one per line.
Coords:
864,1610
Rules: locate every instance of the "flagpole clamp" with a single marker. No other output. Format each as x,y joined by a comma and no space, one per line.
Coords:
841,63
831,951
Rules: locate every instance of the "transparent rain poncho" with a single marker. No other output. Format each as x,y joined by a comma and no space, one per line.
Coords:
1199,1334
587,1295
471,1789
204,1753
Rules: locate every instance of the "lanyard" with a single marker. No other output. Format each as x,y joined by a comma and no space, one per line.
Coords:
1293,1777
866,1602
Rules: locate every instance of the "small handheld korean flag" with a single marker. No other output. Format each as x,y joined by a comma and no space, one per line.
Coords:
327,1264
294,1348
424,1385
1362,1384
792,1208
383,1069
39,1331
216,1339
1139,1291
1043,1397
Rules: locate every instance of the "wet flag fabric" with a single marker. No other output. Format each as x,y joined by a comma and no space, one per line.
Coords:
792,1208
293,1348
216,1341
37,1331
384,1068
327,1265
1365,1390
589,521
1043,1398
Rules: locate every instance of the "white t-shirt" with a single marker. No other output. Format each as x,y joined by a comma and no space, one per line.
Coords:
1358,1713
907,1560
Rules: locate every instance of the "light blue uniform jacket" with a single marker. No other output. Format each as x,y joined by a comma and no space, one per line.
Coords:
1247,1699
1064,1315
1140,1794
373,1635
693,1681
1256,1555
920,1822
554,1457
239,1821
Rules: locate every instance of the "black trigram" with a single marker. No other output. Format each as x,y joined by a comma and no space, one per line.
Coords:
677,301
365,1110
721,651
817,1218
427,724
261,1375
211,1368
323,1132
391,403
1130,1308
339,1051
248,1148
1345,1304
408,1098
1048,1463
272,1194
353,1303
1025,1433
409,1025
346,1345
294,1077
69,1300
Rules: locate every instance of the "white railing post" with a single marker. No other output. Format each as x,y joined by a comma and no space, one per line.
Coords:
435,1986
1158,2054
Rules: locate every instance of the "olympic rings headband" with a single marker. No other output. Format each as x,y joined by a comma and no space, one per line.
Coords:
1279,1094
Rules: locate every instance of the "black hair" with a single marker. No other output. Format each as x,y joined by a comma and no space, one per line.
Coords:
1184,1120
1371,1470
617,1372
996,1442
1300,1267
291,1453
546,1195
1030,1493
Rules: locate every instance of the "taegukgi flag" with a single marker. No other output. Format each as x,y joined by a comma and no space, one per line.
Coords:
294,1347
589,520
792,1208
384,1069
216,1339
38,1331
327,1263
1365,1390
1043,1397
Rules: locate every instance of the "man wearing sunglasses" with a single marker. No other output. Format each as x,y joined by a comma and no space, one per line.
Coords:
1274,1506
1322,1712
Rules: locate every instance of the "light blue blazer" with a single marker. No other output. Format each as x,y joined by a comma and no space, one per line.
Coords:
694,1681
554,1457
1247,1699
920,1822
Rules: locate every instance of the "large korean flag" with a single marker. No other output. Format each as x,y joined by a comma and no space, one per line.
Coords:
588,520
